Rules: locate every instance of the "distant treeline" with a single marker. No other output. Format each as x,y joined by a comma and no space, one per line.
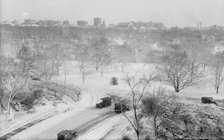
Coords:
26,32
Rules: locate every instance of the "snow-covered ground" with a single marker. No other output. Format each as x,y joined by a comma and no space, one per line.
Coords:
95,123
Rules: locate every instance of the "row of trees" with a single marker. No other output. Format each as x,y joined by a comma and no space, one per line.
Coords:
35,60
179,65
96,53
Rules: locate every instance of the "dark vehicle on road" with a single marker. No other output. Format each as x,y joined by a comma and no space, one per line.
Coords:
119,107
67,135
208,100
104,103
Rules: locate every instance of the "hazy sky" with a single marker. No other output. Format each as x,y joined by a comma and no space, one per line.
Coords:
170,12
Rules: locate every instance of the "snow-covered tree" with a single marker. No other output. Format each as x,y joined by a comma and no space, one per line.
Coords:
83,54
217,70
102,53
20,71
138,88
178,70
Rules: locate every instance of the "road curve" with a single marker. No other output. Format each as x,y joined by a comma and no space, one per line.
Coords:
84,117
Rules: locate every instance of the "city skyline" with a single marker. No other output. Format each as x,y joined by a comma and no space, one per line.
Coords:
171,13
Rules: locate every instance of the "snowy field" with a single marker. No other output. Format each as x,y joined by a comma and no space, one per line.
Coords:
205,88
95,123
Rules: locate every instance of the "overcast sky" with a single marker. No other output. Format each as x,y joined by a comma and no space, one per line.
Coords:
170,12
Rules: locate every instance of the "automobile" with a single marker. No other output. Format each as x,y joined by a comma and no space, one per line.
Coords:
119,108
208,100
67,135
104,103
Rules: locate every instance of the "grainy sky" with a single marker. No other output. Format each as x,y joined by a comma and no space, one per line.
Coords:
170,12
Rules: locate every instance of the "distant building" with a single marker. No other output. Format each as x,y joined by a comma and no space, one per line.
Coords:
82,23
97,22
29,22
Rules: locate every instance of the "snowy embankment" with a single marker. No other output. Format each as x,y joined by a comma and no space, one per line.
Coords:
45,107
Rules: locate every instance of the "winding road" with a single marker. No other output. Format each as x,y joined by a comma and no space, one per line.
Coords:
91,123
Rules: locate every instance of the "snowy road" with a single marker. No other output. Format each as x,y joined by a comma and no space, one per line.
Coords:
91,123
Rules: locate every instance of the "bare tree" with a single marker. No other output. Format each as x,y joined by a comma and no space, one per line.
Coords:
43,58
62,56
155,106
138,87
1,104
102,53
2,84
4,66
84,60
178,70
20,72
49,60
217,71
169,118
124,55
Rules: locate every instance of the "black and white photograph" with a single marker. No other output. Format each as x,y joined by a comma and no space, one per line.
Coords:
111,69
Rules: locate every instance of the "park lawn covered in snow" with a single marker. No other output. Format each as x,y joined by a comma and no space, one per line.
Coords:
205,88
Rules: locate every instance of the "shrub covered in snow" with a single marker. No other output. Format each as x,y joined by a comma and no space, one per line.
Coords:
28,100
179,120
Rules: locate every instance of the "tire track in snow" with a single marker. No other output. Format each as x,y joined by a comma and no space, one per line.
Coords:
100,129
85,127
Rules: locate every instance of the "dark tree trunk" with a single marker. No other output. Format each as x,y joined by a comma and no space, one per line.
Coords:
177,90
217,89
138,135
155,126
1,107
